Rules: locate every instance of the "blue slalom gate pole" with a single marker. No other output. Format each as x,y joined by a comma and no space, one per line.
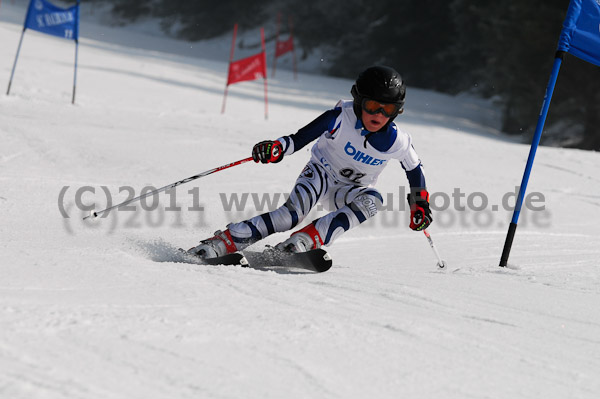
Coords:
12,74
75,73
76,34
534,145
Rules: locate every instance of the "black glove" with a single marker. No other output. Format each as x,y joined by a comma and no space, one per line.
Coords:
267,152
420,214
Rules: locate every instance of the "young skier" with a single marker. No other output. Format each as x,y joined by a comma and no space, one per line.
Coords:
355,142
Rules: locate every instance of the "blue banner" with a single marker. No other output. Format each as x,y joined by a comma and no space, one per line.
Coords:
581,31
52,20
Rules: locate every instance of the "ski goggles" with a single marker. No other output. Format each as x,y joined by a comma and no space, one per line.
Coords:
373,107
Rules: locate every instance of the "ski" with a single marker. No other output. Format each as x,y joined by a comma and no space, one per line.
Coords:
236,258
316,260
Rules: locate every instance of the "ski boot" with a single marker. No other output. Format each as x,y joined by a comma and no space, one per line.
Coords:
219,245
303,240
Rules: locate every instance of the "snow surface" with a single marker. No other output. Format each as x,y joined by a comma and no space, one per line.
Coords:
102,310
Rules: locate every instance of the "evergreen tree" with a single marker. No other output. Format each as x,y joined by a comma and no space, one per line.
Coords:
496,48
509,47
131,10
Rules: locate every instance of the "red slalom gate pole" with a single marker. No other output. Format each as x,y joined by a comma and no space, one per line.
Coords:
293,49
228,68
262,39
276,41
94,215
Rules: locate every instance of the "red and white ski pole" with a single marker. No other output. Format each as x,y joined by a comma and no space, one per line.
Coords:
94,215
441,264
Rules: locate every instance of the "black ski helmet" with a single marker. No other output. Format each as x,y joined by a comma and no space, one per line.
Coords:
379,83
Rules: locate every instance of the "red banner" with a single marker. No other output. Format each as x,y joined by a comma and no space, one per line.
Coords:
249,68
284,47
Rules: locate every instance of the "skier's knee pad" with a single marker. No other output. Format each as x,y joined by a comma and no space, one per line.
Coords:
367,203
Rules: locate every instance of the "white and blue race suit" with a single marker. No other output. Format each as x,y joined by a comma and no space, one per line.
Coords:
345,163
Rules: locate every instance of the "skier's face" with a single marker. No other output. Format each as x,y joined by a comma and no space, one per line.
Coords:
374,122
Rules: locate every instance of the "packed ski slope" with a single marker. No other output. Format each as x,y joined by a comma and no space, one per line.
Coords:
102,310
